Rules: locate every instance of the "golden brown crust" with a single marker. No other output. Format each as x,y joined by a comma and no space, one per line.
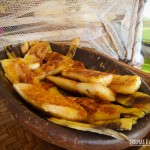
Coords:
92,90
88,76
17,71
77,64
87,72
125,84
39,50
91,105
56,62
43,99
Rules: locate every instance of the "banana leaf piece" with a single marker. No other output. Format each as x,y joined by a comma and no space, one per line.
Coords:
89,127
137,100
73,47
118,124
10,53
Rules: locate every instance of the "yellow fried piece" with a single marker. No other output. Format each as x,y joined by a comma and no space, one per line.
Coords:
125,84
87,75
36,54
56,62
89,127
51,87
117,124
17,71
111,111
50,103
103,110
138,100
93,90
24,47
57,58
77,64
31,43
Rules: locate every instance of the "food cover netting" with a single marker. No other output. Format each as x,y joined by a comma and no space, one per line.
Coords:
112,27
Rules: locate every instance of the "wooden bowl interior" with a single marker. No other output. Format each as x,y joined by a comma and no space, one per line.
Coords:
62,136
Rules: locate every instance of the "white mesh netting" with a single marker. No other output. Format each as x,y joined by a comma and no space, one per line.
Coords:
111,26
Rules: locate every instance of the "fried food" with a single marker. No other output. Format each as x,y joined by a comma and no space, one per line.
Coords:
92,90
17,71
56,62
138,100
77,64
125,84
87,75
36,54
24,47
51,87
34,78
111,111
31,43
103,110
50,103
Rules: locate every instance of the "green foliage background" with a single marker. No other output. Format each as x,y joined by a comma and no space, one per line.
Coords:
146,40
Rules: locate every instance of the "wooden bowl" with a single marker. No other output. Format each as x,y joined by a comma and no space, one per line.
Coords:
63,136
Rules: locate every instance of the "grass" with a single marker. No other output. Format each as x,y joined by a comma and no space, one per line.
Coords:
146,66
146,30
146,39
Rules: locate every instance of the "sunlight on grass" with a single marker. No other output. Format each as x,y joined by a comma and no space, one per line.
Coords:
146,30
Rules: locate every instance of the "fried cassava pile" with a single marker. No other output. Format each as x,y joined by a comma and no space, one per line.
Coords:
97,101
